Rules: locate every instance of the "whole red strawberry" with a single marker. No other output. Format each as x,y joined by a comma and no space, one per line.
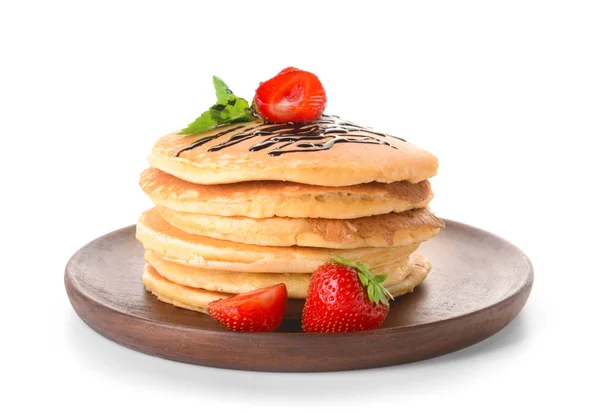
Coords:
342,297
255,311
293,95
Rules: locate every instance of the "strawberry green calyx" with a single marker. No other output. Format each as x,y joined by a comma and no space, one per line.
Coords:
377,293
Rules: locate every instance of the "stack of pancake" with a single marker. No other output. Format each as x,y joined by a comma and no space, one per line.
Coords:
251,205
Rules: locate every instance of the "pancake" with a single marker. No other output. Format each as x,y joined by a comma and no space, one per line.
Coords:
328,151
197,299
191,298
420,270
265,199
194,250
416,225
241,282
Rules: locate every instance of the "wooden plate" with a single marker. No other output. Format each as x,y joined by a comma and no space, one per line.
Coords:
478,284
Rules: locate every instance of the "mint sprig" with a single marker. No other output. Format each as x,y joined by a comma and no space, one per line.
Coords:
377,293
228,109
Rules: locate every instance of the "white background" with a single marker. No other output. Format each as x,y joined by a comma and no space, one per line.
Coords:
506,94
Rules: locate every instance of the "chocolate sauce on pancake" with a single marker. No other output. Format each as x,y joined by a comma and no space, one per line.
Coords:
320,135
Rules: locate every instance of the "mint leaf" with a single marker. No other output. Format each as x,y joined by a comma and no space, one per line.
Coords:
221,89
228,109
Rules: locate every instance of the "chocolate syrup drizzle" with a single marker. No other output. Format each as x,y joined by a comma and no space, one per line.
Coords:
320,135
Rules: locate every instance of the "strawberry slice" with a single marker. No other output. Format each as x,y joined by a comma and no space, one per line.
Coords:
343,297
255,311
288,70
293,95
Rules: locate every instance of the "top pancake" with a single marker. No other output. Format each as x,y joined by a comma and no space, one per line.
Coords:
326,152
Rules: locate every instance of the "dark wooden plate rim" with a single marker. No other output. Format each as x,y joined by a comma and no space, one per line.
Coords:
527,284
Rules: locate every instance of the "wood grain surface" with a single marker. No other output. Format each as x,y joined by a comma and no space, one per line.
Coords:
478,284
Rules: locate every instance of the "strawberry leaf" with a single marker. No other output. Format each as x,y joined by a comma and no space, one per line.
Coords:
371,292
380,278
376,292
363,278
343,261
362,267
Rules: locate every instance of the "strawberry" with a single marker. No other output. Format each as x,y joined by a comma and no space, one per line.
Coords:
293,95
256,311
288,70
343,297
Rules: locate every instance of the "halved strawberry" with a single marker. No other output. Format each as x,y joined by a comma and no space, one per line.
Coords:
344,296
255,311
292,96
288,70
